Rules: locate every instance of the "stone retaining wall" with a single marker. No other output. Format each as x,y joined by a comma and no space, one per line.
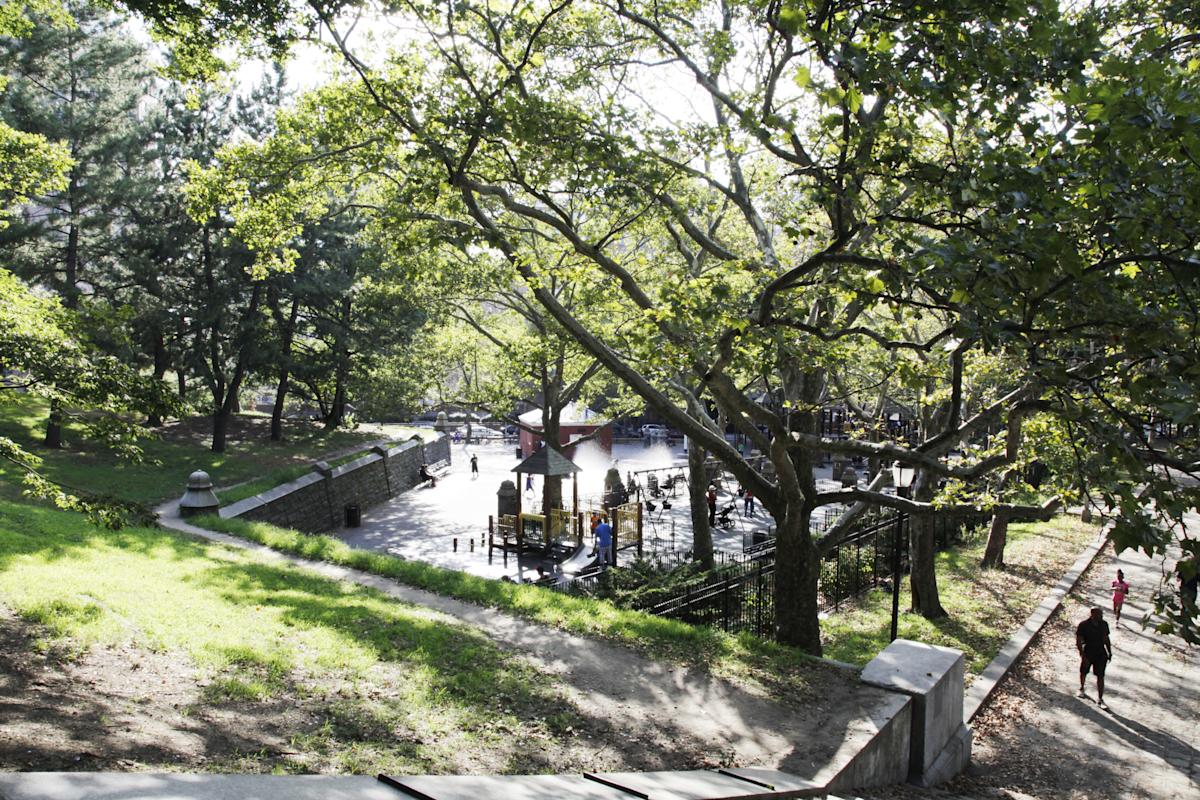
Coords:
316,503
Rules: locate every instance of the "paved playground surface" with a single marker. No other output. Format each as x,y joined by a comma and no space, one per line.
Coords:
423,524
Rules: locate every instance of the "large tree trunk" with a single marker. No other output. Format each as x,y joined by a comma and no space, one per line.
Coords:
220,428
54,422
551,486
226,402
337,408
923,573
797,568
287,334
993,554
702,543
54,437
797,559
161,362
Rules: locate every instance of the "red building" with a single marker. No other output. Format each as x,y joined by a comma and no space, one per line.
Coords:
576,421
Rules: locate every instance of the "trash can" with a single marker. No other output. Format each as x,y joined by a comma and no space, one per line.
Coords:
353,516
518,451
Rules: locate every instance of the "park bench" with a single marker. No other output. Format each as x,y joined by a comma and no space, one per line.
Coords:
435,470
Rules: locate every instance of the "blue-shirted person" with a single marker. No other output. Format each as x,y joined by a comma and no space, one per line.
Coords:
604,541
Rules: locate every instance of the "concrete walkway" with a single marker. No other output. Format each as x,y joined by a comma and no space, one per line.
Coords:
1037,738
811,737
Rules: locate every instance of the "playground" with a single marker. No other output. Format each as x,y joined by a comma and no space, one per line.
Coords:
447,524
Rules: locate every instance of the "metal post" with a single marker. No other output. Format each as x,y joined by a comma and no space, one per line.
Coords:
896,572
837,577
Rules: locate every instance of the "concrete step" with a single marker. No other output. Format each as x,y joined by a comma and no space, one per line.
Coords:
732,784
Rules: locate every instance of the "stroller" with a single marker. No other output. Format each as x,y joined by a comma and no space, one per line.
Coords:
724,516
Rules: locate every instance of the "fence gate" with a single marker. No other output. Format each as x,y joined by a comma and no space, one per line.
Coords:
627,528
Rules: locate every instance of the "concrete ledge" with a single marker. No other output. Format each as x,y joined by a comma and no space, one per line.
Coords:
269,496
875,751
358,463
182,786
983,686
951,761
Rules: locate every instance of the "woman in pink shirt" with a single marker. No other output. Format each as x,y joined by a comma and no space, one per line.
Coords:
1119,589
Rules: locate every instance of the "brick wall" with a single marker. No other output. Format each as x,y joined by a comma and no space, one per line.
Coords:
316,502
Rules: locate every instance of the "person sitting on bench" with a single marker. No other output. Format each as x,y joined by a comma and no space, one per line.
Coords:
426,475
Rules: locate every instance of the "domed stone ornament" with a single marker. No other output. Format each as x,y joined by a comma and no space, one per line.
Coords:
199,497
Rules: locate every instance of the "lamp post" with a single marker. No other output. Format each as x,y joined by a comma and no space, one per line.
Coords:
902,477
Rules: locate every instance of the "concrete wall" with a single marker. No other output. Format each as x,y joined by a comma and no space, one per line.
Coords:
939,744
316,502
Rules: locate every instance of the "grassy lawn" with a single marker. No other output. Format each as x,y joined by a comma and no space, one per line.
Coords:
177,450
783,671
985,607
382,685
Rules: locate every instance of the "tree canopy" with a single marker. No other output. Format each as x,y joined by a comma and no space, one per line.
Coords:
982,212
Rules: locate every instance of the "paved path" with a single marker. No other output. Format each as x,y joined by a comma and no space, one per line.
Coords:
1038,739
671,709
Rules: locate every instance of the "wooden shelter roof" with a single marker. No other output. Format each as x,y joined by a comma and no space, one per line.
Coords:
548,462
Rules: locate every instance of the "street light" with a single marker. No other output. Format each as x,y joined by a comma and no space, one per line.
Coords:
902,477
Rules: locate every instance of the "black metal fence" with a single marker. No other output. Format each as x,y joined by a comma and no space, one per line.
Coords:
739,595
738,598
863,559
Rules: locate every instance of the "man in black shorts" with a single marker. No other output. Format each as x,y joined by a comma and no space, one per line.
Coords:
1095,650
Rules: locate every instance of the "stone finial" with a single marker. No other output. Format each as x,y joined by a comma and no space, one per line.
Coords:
849,477
506,498
443,422
199,497
323,469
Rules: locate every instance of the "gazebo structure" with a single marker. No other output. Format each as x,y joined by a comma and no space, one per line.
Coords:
575,422
549,463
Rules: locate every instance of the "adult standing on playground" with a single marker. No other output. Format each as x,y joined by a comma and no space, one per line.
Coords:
711,497
1095,651
474,465
604,542
748,503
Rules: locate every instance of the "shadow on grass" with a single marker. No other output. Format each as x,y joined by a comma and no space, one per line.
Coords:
697,646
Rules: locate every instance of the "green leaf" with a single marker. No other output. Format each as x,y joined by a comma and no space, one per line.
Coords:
1131,270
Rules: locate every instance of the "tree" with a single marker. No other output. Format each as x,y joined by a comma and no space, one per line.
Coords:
868,166
44,354
78,84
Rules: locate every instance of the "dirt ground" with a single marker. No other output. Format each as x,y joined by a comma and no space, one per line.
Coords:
129,708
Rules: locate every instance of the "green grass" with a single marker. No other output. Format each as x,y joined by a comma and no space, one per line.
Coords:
985,607
170,457
784,671
259,631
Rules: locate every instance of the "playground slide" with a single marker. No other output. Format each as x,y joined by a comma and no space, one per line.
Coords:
580,560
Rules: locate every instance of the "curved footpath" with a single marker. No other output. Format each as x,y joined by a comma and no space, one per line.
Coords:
1036,739
813,739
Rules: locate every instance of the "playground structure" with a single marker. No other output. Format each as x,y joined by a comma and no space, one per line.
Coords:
558,532
562,540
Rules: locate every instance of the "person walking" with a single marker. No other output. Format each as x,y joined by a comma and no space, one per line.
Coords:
711,498
604,542
748,503
1119,589
1095,651
474,465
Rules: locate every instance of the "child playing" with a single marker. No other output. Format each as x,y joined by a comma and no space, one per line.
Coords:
1119,589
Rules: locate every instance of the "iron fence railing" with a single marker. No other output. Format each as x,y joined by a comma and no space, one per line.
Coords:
739,594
